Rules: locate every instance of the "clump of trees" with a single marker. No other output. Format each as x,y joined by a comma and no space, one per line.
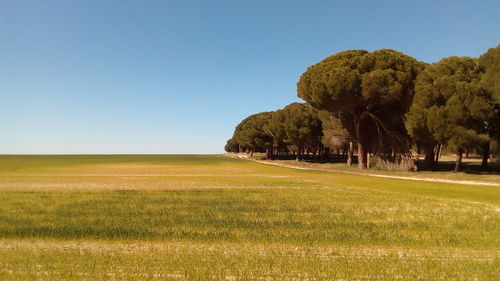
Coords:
369,93
383,103
295,129
451,107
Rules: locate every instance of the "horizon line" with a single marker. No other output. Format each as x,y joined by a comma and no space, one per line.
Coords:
62,154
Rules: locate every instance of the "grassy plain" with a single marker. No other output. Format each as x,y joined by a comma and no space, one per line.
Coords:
147,217
443,170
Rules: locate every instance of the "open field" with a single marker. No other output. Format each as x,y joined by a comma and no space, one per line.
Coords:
444,170
146,217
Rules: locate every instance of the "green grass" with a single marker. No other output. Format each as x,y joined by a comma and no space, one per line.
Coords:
242,215
195,261
147,217
472,172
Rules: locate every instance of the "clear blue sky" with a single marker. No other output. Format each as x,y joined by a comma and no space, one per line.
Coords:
177,76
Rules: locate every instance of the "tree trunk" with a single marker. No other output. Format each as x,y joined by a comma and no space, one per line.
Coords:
439,147
458,163
368,156
268,153
362,156
429,157
251,153
486,154
350,153
299,151
363,122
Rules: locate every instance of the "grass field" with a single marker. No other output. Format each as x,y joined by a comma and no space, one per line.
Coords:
442,171
144,217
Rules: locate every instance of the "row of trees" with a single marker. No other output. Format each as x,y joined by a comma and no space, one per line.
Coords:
294,129
384,102
457,103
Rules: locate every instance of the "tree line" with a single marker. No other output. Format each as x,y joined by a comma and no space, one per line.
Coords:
383,103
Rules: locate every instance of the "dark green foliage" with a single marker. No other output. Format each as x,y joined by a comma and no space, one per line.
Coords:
249,134
231,146
489,63
294,128
374,89
451,107
302,127
369,98
276,129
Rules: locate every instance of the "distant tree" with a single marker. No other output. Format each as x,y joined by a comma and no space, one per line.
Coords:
275,127
375,89
450,107
302,127
250,135
231,146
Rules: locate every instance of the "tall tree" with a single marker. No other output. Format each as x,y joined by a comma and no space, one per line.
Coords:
231,146
375,89
249,133
275,128
302,127
489,63
450,107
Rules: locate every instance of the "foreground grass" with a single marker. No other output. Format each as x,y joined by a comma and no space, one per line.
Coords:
210,217
238,261
310,215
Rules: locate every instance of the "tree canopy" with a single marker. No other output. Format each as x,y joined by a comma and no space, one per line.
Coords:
276,129
489,63
302,127
384,101
450,107
249,135
372,89
293,128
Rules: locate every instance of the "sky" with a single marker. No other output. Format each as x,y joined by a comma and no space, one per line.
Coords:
176,77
